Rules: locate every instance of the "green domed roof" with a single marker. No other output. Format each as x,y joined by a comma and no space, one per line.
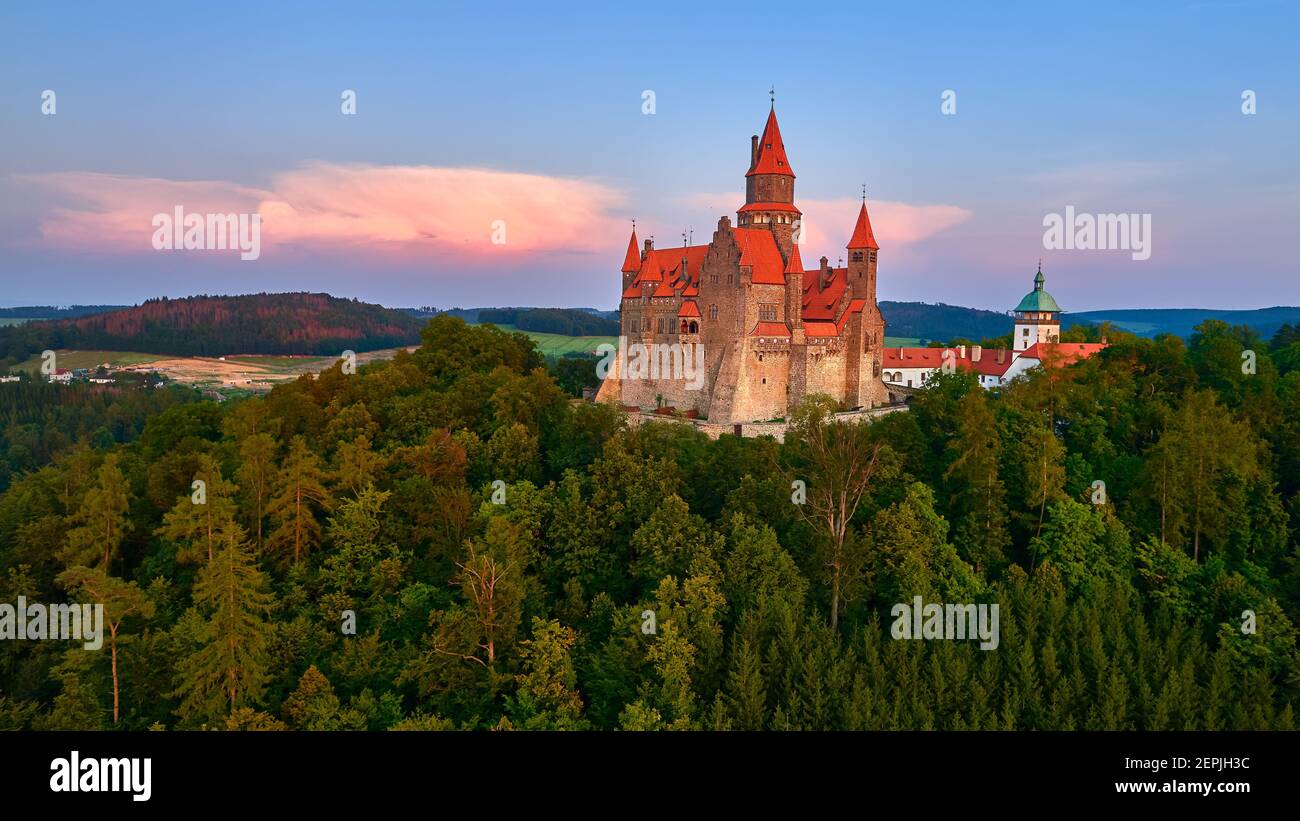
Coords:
1038,299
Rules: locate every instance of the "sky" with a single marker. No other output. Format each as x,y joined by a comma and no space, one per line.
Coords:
499,152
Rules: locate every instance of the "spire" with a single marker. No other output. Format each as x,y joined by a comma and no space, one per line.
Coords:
1038,279
862,236
632,261
795,265
771,151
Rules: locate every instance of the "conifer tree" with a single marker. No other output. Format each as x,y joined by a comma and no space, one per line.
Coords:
300,493
230,669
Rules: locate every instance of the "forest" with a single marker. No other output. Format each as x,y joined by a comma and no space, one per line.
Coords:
449,540
279,324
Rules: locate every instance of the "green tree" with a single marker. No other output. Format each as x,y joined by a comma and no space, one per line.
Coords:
230,669
119,599
300,493
98,526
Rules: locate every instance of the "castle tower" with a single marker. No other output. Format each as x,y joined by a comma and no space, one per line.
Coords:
631,261
1038,317
862,257
769,188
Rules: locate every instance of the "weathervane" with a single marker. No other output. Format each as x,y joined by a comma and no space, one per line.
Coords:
771,93
864,193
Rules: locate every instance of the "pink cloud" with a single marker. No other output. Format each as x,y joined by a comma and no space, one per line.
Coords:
827,224
405,212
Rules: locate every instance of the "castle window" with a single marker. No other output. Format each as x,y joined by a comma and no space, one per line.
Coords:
713,312
731,278
767,313
713,279
857,256
1025,332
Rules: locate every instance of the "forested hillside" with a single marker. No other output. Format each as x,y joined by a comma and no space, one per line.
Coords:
297,323
512,559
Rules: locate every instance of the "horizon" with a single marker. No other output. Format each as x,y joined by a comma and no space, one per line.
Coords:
394,204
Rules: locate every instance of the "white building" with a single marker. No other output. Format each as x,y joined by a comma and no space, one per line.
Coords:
1035,341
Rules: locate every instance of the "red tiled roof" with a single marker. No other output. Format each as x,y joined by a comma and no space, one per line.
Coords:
820,329
688,308
855,305
649,271
758,250
771,151
795,264
987,365
770,329
768,206
820,305
632,261
1063,353
862,236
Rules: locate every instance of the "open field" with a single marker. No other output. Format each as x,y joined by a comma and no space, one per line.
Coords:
559,345
235,372
15,320
90,359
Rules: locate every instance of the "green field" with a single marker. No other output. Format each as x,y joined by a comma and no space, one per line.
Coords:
90,359
6,321
559,345
284,362
902,341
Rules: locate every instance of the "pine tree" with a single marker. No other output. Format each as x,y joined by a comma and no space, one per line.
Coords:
98,526
230,669
119,599
256,473
300,492
200,519
977,497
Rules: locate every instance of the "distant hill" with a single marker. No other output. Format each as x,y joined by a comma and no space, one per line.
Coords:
30,312
1152,322
942,322
293,323
563,321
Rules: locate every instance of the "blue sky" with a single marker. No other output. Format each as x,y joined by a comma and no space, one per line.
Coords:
535,110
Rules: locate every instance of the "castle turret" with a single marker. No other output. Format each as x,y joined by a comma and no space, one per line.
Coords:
1038,317
862,249
631,261
769,188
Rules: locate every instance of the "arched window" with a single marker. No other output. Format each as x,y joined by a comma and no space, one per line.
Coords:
713,312
695,328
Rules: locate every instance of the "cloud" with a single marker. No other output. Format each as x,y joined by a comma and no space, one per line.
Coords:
406,212
827,224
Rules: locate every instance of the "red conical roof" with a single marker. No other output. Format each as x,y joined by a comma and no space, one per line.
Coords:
632,262
771,151
862,236
795,265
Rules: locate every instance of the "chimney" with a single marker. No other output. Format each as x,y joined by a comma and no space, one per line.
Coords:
649,246
961,351
1001,354
1103,340
753,151
976,351
823,277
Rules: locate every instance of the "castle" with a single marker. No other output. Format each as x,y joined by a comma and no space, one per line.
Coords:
765,332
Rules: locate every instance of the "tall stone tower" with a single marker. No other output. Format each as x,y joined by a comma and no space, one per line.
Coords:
862,249
769,188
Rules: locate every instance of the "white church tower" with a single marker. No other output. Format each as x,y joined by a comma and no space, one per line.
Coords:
1038,318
